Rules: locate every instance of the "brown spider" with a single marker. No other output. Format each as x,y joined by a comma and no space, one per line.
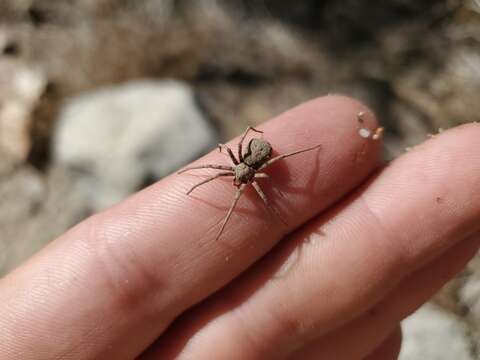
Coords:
245,169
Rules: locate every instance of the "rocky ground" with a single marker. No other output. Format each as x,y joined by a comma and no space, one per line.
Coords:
94,95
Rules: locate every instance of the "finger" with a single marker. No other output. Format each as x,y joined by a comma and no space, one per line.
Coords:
343,263
365,333
390,348
356,338
134,268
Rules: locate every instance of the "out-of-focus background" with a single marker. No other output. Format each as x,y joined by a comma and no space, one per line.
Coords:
96,96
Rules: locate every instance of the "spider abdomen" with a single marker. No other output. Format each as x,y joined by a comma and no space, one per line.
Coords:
258,152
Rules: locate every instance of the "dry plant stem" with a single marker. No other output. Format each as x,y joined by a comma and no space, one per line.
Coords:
246,169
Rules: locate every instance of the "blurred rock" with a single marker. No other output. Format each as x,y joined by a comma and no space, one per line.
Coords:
415,63
431,333
470,298
21,87
34,209
114,140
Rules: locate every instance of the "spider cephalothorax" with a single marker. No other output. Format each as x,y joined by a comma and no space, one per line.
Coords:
244,174
246,169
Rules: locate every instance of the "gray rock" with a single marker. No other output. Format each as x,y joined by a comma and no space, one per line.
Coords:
114,139
431,333
469,296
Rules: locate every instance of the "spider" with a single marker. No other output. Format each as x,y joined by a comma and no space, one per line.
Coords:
246,169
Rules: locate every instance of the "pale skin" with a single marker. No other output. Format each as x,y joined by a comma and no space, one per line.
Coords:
147,279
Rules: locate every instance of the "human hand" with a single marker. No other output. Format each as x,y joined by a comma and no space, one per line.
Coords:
364,247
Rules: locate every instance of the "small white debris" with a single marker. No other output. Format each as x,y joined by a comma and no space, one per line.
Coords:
367,133
364,133
378,134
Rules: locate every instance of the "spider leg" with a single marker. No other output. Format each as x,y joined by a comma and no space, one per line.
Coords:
280,157
240,144
234,203
261,175
260,192
207,166
229,173
230,153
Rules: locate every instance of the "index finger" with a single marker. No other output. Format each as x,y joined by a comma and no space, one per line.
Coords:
134,268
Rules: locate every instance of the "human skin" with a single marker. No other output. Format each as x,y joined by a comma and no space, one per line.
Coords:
366,244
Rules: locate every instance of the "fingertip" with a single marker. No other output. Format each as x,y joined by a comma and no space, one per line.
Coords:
341,109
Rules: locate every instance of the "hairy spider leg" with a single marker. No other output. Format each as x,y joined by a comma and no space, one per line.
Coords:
207,166
229,173
230,153
261,175
234,203
262,195
240,144
280,157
